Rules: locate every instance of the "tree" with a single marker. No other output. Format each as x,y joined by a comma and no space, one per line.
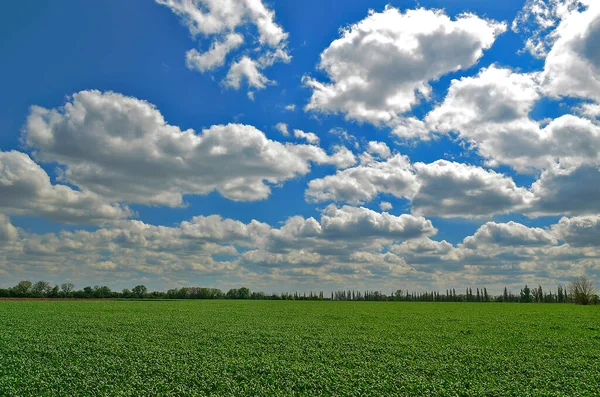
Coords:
40,288
582,289
53,292
67,288
526,294
22,288
101,291
244,293
139,290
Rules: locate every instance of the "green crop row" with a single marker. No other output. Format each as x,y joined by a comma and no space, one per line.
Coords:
285,348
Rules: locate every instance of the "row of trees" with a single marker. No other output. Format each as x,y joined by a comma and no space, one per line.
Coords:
580,290
43,289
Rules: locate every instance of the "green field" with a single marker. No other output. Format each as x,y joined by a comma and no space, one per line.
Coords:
284,348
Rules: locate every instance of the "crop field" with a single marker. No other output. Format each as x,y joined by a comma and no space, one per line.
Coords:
133,348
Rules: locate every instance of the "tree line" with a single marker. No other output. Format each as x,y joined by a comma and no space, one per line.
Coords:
580,290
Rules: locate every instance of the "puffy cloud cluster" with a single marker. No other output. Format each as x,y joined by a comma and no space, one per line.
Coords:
509,234
381,66
349,246
26,189
364,182
121,148
452,189
461,190
310,137
192,248
8,232
539,18
572,66
580,231
441,188
491,112
225,21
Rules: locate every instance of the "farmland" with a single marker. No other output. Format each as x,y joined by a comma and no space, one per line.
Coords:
286,348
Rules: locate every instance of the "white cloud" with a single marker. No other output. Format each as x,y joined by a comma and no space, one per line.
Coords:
342,157
409,128
380,67
451,189
8,232
26,189
591,110
567,189
385,206
581,231
220,19
352,222
283,128
309,136
290,107
209,17
441,188
247,69
121,148
363,183
509,234
537,21
214,57
496,96
349,247
344,136
379,148
572,66
491,111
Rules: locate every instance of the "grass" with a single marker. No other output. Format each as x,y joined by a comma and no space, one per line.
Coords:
298,348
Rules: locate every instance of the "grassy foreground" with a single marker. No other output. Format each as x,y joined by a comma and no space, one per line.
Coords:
285,348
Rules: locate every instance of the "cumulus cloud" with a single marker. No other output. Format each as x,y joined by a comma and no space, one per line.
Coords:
441,188
491,111
380,67
352,222
8,232
222,20
349,246
385,206
496,96
310,137
461,190
567,189
363,183
214,57
122,149
509,234
580,231
209,17
537,21
247,69
283,128
26,189
591,110
572,66
380,149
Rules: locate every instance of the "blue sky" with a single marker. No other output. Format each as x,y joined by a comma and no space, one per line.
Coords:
481,130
